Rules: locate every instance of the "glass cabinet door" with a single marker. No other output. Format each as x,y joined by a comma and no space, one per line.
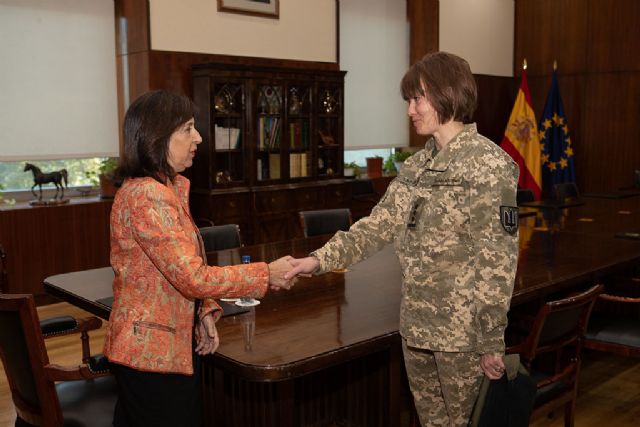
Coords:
269,132
228,137
329,130
299,104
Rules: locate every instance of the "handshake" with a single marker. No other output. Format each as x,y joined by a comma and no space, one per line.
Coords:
284,271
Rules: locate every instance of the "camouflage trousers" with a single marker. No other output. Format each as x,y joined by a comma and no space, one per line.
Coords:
444,385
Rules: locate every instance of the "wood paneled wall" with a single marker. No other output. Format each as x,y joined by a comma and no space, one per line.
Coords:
595,43
43,241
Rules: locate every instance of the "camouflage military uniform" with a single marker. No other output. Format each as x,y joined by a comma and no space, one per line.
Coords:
453,222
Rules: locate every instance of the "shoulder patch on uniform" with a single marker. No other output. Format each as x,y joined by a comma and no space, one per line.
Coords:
509,218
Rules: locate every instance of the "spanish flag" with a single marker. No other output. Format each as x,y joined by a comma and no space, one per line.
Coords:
521,140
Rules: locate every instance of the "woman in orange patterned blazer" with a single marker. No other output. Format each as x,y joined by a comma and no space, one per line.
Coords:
161,273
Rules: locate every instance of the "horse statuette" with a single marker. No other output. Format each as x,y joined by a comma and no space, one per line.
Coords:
40,178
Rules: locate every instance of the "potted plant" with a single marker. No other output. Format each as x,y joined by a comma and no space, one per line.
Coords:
102,177
399,157
352,169
6,201
374,167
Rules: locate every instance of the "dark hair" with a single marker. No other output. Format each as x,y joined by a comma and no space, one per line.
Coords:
446,81
148,124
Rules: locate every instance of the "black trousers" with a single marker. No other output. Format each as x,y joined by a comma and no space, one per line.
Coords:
150,399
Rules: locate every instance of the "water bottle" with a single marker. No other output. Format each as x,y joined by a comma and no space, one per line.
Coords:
247,301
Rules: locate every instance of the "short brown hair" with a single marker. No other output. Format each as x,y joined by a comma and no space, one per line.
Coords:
148,125
446,81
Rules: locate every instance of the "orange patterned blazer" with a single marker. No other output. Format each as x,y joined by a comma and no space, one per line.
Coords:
160,270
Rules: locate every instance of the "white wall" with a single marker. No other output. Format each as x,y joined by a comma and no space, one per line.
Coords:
480,31
374,50
306,30
57,79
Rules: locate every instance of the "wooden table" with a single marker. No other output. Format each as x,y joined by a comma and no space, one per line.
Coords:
329,349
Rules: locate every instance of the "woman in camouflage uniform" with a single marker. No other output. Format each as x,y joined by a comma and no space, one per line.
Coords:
451,214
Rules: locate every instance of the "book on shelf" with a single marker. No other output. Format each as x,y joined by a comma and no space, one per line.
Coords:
274,166
299,135
269,133
298,165
227,138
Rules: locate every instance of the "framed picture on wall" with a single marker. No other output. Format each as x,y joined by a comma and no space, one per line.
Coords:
265,8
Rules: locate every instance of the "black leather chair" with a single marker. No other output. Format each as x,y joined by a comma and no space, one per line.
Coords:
524,195
46,394
552,351
325,221
220,237
615,322
566,190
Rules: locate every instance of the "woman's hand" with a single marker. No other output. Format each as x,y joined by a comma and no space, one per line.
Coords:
492,365
302,266
207,339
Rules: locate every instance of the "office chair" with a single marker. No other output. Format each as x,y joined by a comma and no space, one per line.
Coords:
219,237
615,325
46,394
552,351
566,190
524,195
324,221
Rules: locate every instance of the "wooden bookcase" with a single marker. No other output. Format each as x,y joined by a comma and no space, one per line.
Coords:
272,145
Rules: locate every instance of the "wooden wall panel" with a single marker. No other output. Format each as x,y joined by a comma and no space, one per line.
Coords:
614,35
423,17
496,96
611,148
44,241
550,29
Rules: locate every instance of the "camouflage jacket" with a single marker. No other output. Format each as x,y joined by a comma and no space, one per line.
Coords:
160,269
453,221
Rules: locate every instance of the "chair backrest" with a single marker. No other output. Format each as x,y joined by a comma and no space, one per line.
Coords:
524,195
325,221
565,190
3,269
24,357
614,323
555,343
220,237
559,324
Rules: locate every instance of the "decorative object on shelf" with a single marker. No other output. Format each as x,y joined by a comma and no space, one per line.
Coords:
264,8
374,167
270,99
224,101
326,138
295,103
223,177
39,178
329,103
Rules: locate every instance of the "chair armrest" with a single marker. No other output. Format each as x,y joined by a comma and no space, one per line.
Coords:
98,366
66,325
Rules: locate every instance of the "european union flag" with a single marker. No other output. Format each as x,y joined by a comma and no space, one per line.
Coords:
557,151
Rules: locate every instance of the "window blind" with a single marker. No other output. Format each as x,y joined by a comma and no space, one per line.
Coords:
57,80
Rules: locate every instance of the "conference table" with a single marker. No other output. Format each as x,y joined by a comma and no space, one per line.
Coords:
328,351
